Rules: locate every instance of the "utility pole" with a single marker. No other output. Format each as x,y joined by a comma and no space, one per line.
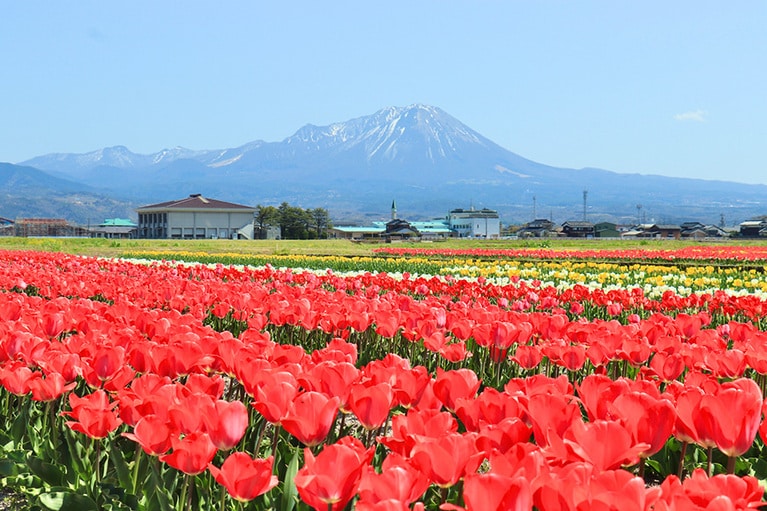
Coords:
585,195
639,214
534,217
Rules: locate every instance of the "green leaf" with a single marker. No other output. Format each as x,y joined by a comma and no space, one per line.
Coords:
158,500
121,467
8,468
75,458
289,491
19,427
67,501
49,473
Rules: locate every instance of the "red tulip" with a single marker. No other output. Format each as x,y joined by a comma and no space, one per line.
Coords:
490,491
93,414
585,441
528,356
243,477
398,481
15,377
444,460
731,418
371,403
152,434
417,426
274,394
191,454
48,388
718,493
310,417
227,424
330,480
649,420
455,384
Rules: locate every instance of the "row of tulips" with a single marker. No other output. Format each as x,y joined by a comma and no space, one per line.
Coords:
561,273
137,361
720,254
106,280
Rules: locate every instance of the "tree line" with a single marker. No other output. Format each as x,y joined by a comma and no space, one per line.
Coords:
295,223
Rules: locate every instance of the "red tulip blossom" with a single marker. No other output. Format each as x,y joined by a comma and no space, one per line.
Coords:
152,434
191,454
398,481
243,477
699,491
371,403
446,459
49,387
227,424
330,480
452,385
93,415
310,417
731,417
496,492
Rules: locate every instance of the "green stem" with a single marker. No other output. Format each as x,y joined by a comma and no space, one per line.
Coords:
136,467
184,494
190,489
731,464
682,454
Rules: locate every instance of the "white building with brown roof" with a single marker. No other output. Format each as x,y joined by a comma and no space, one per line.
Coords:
195,217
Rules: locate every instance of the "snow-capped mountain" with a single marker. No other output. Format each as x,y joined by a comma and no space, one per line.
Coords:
419,155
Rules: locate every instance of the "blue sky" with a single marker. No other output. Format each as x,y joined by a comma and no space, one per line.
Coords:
664,87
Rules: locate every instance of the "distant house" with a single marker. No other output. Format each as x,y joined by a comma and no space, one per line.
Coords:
538,228
111,228
754,228
699,231
395,229
358,232
606,230
6,227
657,231
195,217
475,223
576,229
399,229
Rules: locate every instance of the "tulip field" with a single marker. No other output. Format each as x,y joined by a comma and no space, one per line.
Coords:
405,379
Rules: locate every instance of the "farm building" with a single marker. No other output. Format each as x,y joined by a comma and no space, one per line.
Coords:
577,229
475,223
45,227
195,217
120,228
395,229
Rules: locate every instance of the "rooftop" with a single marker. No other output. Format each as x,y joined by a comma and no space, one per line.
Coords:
197,201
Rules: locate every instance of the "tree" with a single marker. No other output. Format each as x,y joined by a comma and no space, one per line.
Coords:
320,222
294,222
264,217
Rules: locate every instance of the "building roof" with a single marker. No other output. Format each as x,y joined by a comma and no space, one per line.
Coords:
578,223
110,229
197,201
474,213
371,229
117,222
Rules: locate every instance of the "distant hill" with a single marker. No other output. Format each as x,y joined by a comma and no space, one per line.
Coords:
27,192
419,155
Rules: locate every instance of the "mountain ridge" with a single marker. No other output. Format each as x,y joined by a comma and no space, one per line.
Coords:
419,154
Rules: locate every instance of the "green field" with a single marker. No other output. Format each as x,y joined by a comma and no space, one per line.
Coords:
113,248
